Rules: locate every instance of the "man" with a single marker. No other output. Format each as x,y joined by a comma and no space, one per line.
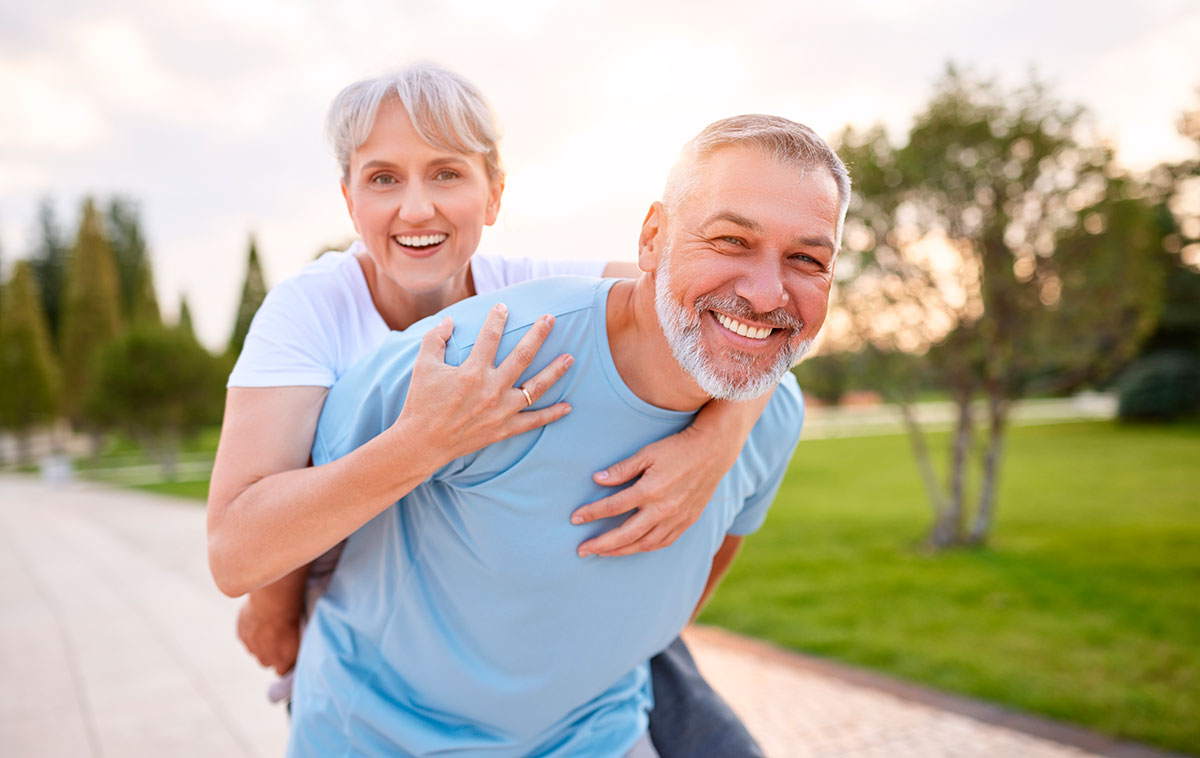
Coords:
461,621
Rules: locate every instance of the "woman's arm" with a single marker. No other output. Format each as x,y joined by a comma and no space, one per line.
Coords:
679,475
269,513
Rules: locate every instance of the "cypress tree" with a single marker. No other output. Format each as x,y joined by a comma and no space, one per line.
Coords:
254,290
143,309
91,308
49,259
129,252
184,324
28,371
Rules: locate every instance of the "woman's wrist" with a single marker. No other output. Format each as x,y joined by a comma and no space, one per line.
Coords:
410,455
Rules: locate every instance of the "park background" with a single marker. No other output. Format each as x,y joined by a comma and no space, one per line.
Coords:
163,164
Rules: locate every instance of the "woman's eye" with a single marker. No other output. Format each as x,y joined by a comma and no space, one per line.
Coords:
446,175
383,179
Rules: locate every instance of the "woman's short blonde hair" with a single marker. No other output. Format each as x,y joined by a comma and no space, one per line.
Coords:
447,111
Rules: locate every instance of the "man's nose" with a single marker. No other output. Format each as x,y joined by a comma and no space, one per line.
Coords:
416,203
761,284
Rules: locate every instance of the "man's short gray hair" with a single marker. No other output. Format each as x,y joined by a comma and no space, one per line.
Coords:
785,141
447,111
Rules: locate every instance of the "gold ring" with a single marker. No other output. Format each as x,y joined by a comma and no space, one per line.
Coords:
528,399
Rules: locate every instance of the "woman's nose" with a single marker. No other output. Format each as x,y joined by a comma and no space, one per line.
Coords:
415,203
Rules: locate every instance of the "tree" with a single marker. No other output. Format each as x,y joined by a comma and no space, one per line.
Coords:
91,310
129,252
49,259
28,371
159,385
144,307
185,318
1005,245
254,291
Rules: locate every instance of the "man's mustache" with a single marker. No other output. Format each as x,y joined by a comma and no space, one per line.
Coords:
740,309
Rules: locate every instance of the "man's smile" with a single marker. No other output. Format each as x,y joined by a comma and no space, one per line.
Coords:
744,330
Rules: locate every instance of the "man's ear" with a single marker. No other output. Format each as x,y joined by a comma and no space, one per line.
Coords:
653,237
349,206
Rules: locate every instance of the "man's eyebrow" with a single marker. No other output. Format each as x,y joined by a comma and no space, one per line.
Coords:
733,218
817,241
754,226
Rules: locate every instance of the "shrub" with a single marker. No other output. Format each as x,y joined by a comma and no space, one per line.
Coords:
1161,387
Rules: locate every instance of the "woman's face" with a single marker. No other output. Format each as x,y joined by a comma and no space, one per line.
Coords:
419,210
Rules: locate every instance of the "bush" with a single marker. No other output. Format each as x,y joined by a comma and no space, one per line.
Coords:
1161,387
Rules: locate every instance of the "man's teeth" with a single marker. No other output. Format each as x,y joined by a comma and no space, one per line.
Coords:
423,240
733,325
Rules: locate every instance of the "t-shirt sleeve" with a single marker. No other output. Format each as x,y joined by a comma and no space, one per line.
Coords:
493,272
774,439
288,345
754,511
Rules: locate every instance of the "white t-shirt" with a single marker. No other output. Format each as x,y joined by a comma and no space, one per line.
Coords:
320,322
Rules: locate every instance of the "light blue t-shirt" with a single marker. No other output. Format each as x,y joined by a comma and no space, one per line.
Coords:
460,621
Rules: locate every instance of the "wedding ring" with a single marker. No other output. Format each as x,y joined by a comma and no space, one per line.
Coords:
528,399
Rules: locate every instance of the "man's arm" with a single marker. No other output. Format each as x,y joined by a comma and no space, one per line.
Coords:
720,567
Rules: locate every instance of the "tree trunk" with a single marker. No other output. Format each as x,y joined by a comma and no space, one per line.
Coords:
916,438
998,406
170,441
948,531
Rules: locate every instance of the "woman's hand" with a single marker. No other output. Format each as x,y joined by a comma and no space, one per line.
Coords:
679,475
461,409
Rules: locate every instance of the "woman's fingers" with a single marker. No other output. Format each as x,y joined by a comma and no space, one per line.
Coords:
433,344
515,363
537,385
483,352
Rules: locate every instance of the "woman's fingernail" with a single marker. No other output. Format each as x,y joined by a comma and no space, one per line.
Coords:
501,308
602,474
577,519
583,553
568,361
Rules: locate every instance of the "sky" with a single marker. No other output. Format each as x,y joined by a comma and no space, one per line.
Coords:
208,114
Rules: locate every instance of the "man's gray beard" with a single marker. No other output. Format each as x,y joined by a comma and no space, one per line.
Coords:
682,330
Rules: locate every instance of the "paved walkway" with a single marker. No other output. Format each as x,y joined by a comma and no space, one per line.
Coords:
114,642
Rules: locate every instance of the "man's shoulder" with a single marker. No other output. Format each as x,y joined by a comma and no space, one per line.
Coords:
564,297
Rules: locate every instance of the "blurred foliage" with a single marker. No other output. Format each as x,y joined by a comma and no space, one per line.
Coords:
1162,386
28,368
91,312
254,291
999,239
133,264
159,385
49,260
185,318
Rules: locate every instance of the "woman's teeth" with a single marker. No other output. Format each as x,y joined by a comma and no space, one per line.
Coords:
733,325
423,240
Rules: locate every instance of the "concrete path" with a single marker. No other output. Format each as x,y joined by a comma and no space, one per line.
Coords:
114,642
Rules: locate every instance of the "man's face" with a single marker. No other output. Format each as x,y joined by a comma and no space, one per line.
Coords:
743,269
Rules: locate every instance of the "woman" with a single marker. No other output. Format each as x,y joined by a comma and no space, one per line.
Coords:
421,176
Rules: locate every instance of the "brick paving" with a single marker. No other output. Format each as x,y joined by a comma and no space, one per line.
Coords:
114,642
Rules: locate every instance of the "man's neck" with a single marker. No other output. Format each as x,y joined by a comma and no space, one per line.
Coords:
641,353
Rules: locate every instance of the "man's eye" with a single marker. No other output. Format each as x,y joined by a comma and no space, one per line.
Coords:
808,259
734,241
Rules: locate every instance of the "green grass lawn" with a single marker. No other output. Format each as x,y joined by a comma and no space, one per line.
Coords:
1085,606
193,490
